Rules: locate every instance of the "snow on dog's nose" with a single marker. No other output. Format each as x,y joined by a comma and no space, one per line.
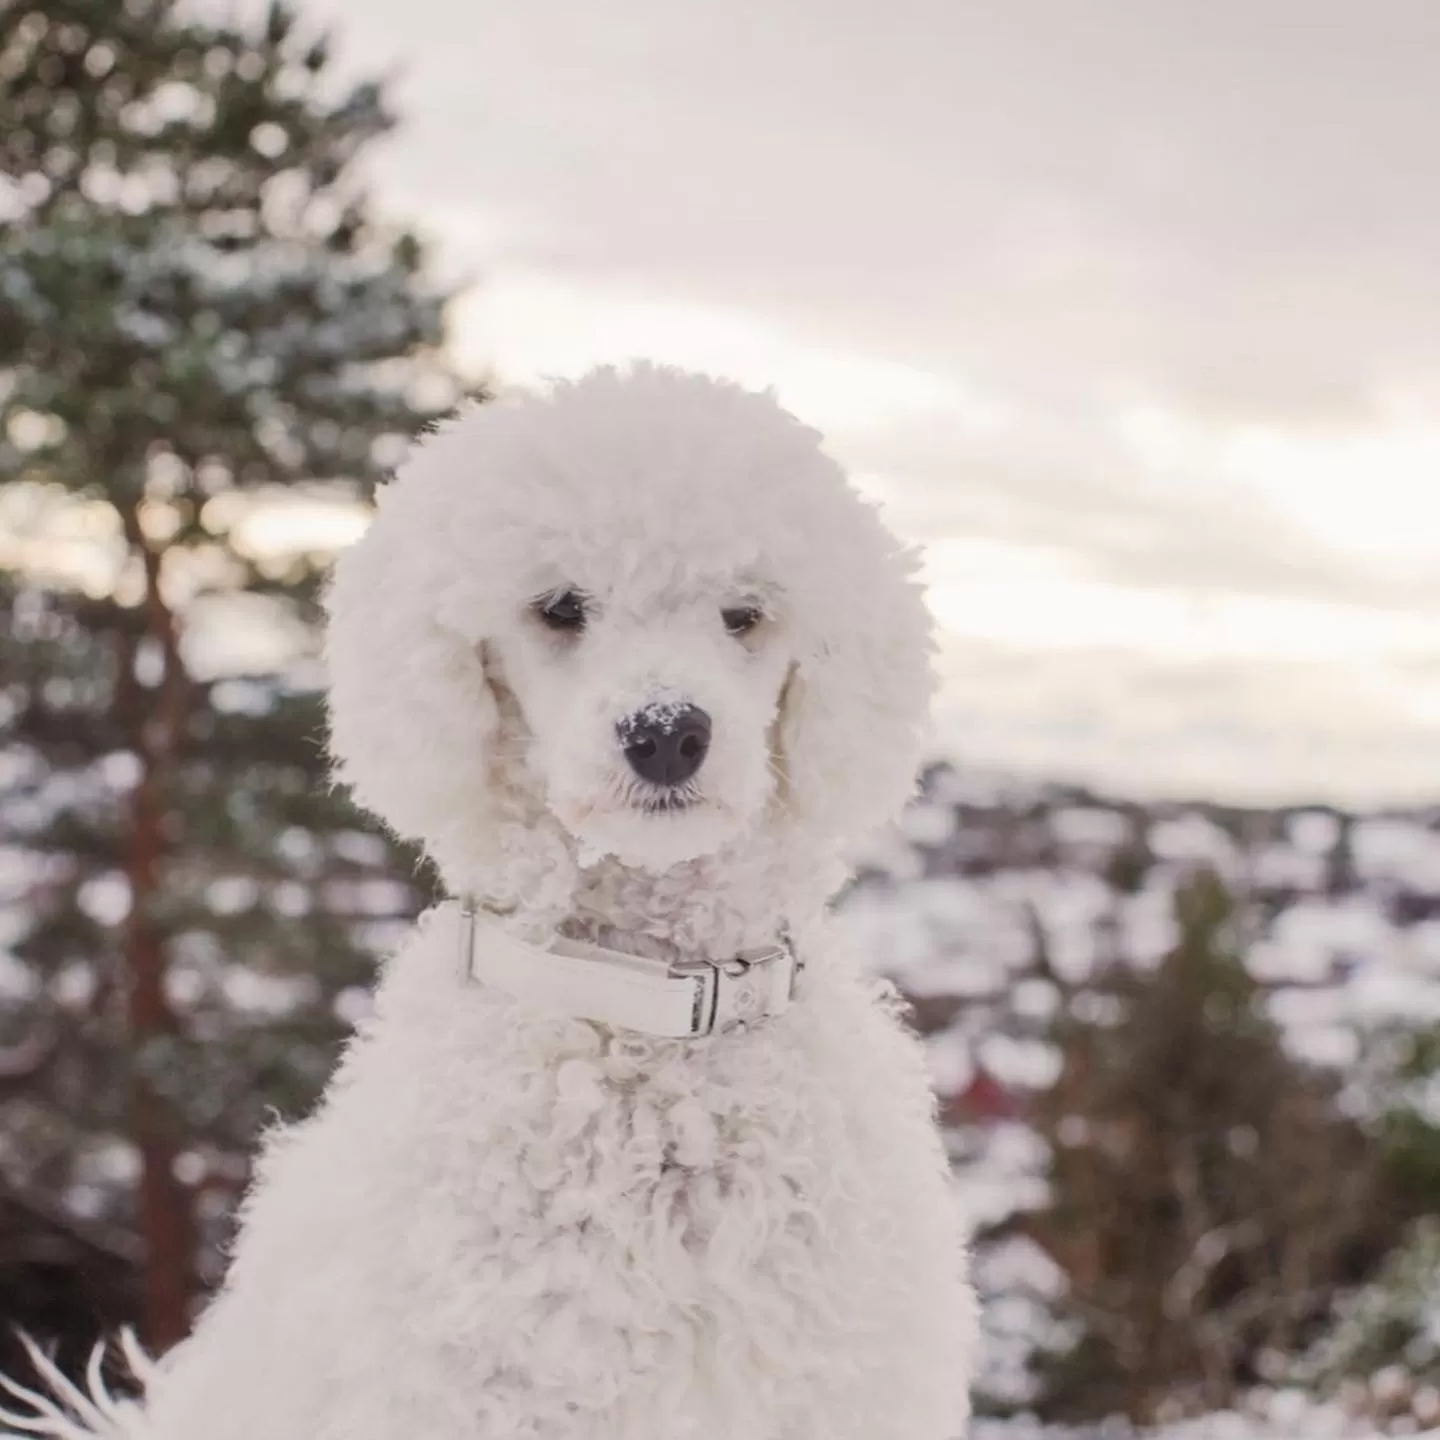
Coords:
667,744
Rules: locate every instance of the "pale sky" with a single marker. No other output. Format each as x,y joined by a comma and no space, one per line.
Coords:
1129,310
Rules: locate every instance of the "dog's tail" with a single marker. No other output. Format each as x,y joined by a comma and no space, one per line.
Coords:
63,1410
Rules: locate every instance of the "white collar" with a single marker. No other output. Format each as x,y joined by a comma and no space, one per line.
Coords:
684,1000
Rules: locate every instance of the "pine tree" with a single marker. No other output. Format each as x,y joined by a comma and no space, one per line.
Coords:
210,350
1208,1197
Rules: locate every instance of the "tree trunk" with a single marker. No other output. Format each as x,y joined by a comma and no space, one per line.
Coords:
166,1218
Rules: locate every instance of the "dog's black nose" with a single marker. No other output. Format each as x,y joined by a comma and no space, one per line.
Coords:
666,745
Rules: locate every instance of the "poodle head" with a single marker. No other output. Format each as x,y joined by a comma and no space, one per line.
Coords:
645,608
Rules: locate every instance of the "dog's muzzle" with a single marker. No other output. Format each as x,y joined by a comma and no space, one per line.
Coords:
682,1001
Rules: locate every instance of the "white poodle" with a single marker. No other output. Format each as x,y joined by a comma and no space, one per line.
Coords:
631,1149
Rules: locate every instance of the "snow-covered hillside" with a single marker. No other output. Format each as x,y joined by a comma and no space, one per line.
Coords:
997,902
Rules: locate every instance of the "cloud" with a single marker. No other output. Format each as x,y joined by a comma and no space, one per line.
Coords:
1233,205
1230,207
1075,485
544,326
1217,728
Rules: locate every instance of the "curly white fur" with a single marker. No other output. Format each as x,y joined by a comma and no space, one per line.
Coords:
507,1224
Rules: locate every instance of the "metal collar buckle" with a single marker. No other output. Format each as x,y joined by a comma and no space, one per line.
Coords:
710,977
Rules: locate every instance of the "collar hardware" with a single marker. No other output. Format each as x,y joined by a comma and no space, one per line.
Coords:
688,1000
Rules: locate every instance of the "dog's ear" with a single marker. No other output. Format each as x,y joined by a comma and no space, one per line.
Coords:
413,719
854,714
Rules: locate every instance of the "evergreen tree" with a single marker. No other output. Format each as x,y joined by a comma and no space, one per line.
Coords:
210,349
1208,1198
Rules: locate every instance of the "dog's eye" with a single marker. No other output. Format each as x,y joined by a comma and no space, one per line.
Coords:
742,619
564,610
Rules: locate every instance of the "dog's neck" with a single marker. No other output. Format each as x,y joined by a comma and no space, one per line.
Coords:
711,906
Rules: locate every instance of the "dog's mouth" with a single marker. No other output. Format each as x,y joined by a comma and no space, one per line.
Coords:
667,802
652,826
678,800
664,799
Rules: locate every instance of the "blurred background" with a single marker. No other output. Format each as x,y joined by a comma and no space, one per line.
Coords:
1130,312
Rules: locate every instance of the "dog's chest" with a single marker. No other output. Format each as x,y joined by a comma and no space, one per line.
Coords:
501,1230
597,1218
675,1167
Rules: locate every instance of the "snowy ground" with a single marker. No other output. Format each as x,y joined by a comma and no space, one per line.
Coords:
1344,936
